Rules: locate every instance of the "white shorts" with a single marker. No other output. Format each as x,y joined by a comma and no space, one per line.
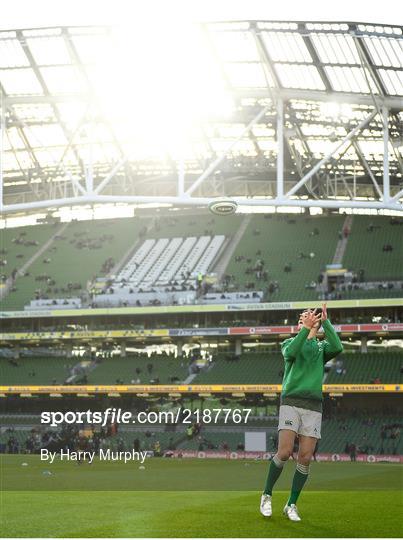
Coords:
302,421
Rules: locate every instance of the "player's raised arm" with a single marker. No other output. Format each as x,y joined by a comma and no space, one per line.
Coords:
333,345
292,347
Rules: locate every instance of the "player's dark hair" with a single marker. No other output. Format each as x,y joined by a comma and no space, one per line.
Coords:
318,310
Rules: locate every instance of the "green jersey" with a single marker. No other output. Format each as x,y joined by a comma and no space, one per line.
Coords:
304,367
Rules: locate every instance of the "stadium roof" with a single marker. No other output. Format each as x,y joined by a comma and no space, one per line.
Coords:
255,109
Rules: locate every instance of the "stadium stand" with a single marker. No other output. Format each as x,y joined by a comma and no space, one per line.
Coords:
152,260
34,371
366,248
84,250
267,368
367,367
281,255
137,368
20,244
293,250
90,249
250,368
177,264
208,254
197,224
130,268
365,433
380,291
159,274
58,370
337,434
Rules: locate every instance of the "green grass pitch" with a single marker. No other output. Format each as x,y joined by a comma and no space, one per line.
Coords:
194,498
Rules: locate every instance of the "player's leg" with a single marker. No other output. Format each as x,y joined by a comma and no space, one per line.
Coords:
285,446
305,454
288,425
308,437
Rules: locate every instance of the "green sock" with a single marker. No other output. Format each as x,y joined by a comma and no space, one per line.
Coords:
300,477
275,469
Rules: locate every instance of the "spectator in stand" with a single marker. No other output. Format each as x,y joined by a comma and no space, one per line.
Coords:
353,452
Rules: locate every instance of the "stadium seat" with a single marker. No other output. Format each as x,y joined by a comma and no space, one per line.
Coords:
365,367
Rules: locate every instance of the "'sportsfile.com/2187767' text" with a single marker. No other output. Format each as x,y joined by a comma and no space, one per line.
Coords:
116,415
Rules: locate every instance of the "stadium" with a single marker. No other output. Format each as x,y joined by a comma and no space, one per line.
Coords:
167,214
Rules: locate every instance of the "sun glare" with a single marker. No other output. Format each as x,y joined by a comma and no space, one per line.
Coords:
157,85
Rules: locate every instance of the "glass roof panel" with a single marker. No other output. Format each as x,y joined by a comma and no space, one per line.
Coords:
236,46
6,143
20,82
49,156
38,32
385,52
34,112
118,115
63,79
10,162
248,75
397,46
335,49
393,51
14,138
92,48
12,54
393,81
371,45
287,47
49,51
350,79
299,76
22,159
45,135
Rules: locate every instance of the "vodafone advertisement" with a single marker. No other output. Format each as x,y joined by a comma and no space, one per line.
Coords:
221,454
347,328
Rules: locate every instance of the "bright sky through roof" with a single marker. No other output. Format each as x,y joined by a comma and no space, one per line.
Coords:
41,13
184,90
158,85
